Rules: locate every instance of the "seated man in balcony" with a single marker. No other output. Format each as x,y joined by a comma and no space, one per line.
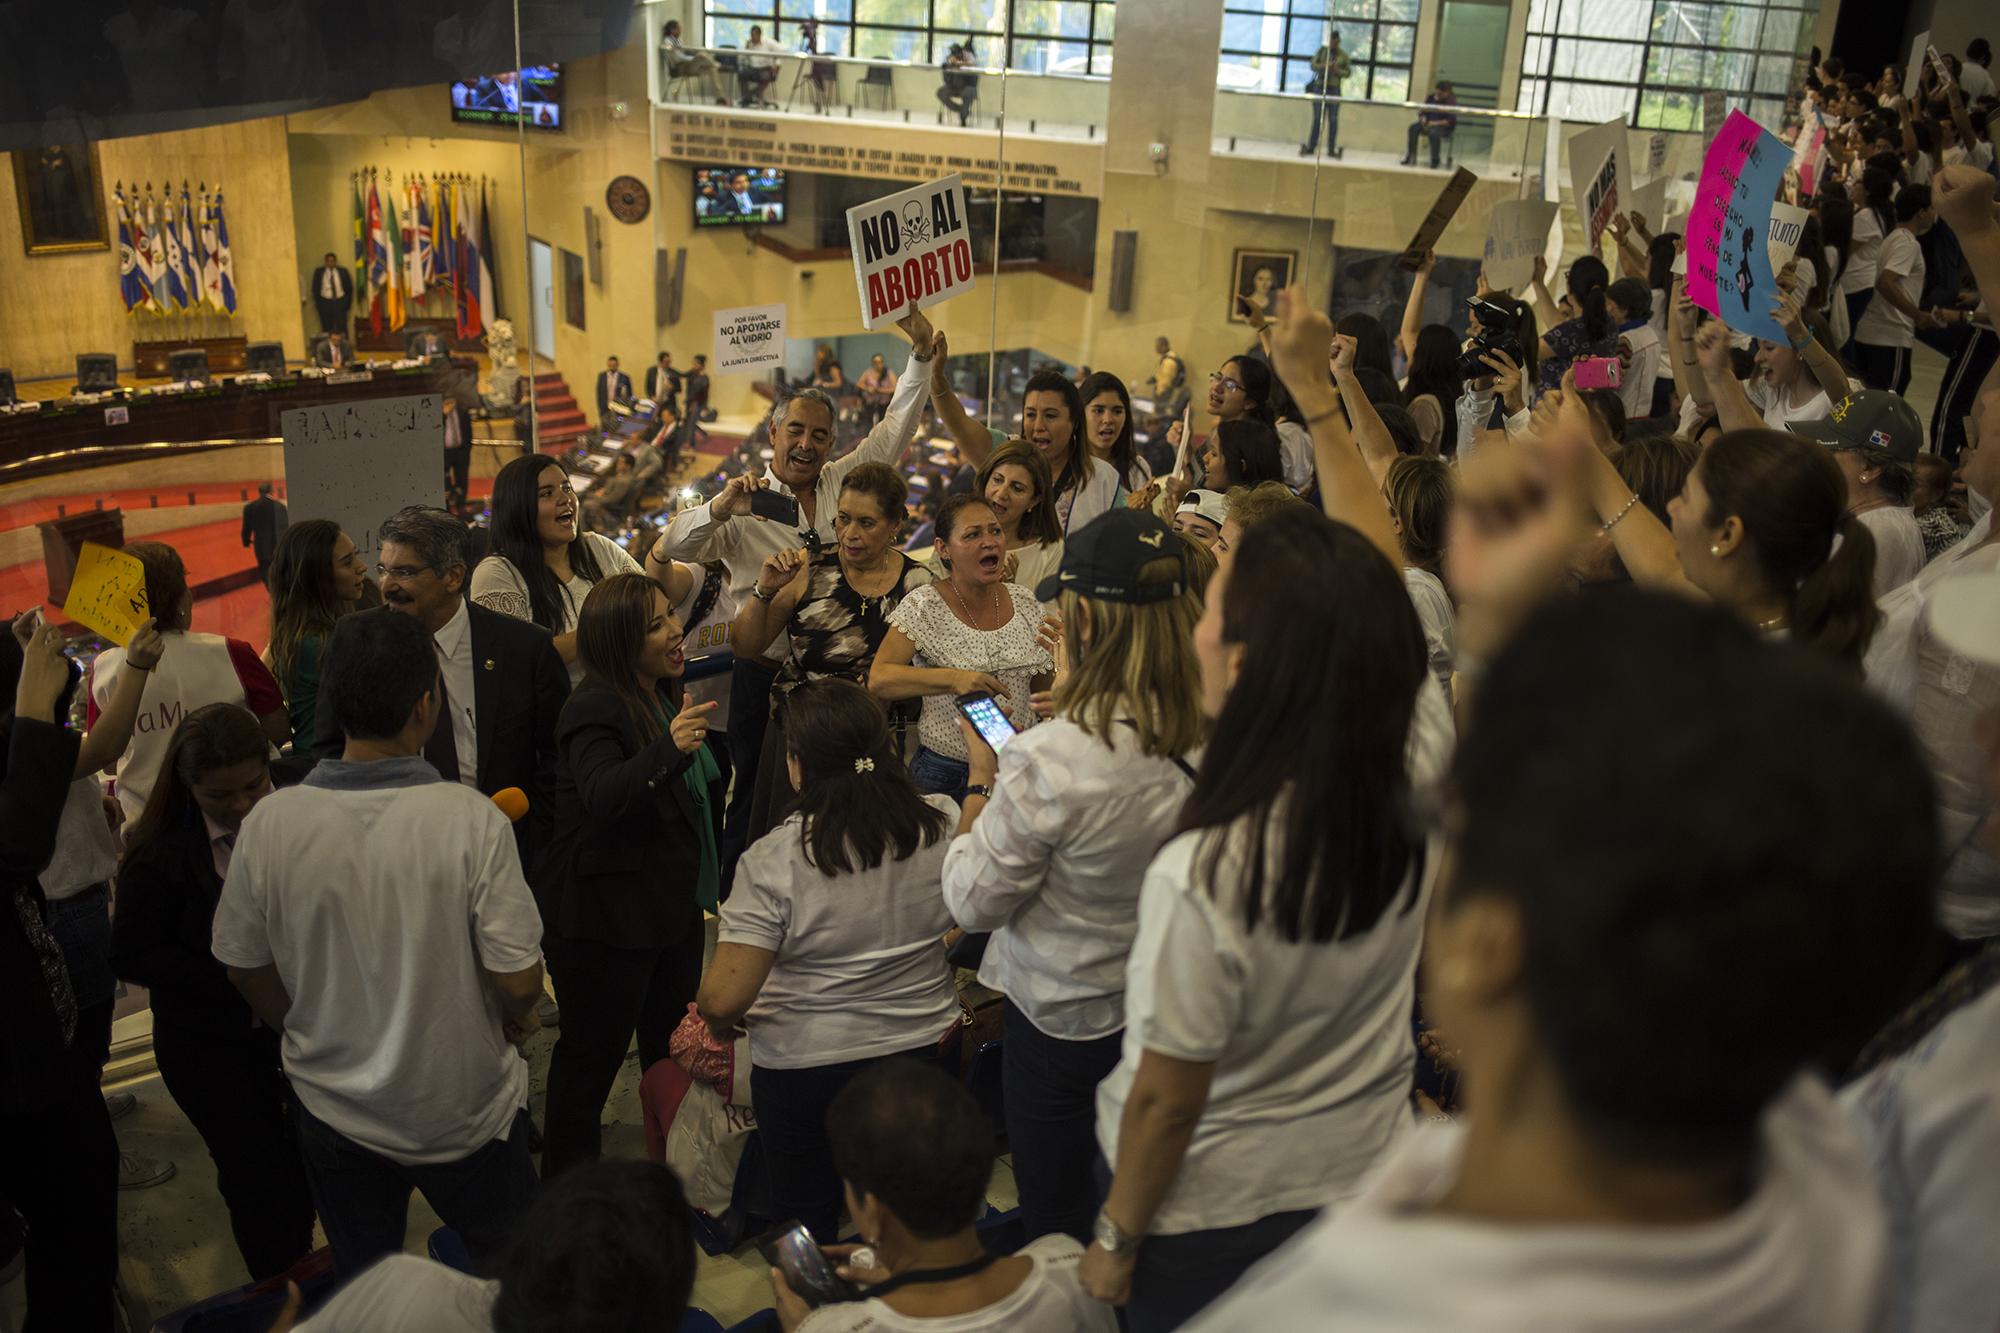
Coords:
960,86
1435,125
757,68
685,64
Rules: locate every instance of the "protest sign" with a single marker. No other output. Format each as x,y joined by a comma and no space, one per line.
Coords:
1939,66
1516,231
1806,149
1600,179
1915,68
1729,262
1649,201
356,463
912,250
1656,154
107,593
1438,218
1788,223
749,338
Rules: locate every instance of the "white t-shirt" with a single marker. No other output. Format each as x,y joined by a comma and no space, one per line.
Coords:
1979,155
1882,324
405,1294
384,895
1053,865
1804,1254
195,670
1049,1298
1974,81
1863,251
1899,545
1440,622
1295,443
1931,1121
86,848
860,970
1011,653
498,586
1098,492
1776,404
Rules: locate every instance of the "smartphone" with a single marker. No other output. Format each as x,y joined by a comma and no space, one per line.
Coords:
990,720
778,508
794,1253
1598,372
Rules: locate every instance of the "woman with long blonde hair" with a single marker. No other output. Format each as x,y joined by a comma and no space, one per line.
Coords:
1057,832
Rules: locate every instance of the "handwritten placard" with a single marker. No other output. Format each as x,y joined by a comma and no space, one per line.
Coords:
1729,262
1788,223
359,462
107,592
1516,231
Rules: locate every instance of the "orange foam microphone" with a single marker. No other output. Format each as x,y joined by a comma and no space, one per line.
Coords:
513,803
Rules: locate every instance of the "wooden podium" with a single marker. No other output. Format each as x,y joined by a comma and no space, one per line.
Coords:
62,538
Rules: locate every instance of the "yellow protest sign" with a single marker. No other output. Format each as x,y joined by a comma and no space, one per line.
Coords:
107,593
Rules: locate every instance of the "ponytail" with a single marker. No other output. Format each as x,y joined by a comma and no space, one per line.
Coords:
1587,280
858,803
1834,611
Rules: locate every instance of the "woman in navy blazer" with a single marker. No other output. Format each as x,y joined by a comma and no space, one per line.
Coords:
632,857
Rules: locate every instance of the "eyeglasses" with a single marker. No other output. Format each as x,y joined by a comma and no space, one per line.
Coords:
402,573
1217,377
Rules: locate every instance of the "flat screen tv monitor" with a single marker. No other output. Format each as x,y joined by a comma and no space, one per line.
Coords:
738,196
534,96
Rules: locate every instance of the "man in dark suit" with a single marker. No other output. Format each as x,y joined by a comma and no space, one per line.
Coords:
696,385
332,352
663,383
264,521
613,386
457,451
333,294
504,682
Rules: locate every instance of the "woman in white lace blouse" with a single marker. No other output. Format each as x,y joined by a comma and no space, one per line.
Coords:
543,564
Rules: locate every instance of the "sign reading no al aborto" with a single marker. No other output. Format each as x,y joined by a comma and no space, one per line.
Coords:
912,250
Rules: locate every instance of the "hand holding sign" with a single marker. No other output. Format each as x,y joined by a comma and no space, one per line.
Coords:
107,592
912,249
925,340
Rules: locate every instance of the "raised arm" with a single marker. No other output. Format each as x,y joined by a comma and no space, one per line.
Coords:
1348,490
113,732
1689,382
1824,365
898,426
781,582
974,441
1413,309
1641,540
1963,195
1733,407
1631,250
1547,313
1378,447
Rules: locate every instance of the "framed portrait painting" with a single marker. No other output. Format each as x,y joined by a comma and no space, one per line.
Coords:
60,192
1258,276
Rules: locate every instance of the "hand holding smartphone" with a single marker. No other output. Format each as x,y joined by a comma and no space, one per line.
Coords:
807,1271
1599,372
778,508
983,711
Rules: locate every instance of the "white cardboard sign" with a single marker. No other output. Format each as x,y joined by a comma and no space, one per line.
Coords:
1781,242
749,338
912,250
1600,179
359,462
1516,231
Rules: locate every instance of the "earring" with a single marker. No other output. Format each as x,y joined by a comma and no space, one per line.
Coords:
1715,550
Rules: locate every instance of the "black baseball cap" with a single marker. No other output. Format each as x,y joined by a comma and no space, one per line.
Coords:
1870,419
1102,560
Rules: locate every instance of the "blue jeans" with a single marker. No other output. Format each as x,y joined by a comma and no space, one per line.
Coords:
363,1198
1050,1093
935,774
1331,110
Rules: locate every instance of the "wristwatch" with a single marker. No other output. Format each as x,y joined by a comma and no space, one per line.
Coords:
1114,1242
979,789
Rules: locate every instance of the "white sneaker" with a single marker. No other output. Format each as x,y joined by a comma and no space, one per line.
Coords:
138,1173
120,1104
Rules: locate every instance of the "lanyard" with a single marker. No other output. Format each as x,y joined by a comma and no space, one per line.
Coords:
920,1276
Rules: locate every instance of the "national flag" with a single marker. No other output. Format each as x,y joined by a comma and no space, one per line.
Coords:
447,270
466,264
225,262
156,254
360,230
131,278
426,251
378,259
392,266
178,296
191,258
475,269
489,292
413,247
211,260
142,250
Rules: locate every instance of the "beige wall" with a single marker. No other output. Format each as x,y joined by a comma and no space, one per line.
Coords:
56,306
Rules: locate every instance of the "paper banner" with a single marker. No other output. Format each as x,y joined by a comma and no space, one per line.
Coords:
1432,227
749,338
1729,263
912,250
107,593
1516,231
1600,179
1915,69
1788,222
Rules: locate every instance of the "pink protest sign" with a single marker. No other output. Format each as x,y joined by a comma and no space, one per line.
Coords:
1729,268
1806,149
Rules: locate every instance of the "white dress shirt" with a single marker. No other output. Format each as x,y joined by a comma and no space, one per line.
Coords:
329,284
221,845
454,645
742,543
1053,866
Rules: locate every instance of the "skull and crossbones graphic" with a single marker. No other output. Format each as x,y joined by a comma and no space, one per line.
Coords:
916,226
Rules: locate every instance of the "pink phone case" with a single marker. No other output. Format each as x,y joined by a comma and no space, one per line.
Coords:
1598,372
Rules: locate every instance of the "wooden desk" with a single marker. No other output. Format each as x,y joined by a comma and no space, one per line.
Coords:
65,435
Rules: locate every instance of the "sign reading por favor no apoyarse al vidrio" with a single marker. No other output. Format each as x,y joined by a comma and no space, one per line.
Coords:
912,250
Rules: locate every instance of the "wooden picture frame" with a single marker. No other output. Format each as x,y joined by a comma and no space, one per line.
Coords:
1244,267
59,189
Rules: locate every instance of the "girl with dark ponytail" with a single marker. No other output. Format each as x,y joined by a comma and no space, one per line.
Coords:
1592,333
830,944
1873,197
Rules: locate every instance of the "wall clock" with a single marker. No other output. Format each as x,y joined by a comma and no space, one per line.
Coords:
628,199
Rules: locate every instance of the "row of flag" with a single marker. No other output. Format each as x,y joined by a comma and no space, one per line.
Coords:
173,256
420,237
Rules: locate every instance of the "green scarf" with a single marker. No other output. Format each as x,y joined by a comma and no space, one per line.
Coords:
702,770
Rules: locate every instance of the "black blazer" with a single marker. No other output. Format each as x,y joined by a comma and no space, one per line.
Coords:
519,684
264,520
35,1066
343,287
621,866
611,386
663,386
160,936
